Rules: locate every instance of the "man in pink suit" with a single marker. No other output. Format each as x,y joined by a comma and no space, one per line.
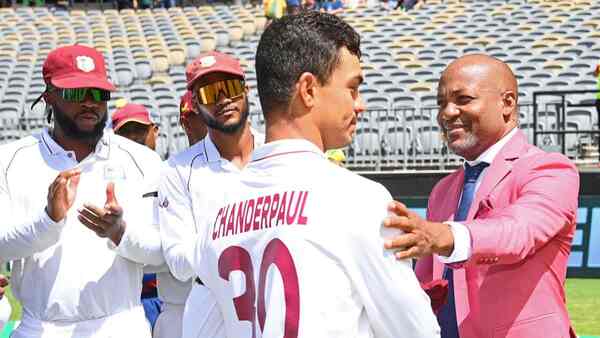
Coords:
498,230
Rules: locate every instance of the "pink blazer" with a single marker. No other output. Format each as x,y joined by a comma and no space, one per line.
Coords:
521,222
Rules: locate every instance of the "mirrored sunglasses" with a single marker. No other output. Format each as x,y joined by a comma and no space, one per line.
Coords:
79,94
209,94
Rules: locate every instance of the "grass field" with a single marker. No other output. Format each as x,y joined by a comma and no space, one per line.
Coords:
583,301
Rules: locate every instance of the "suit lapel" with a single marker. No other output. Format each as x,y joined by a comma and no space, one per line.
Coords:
498,169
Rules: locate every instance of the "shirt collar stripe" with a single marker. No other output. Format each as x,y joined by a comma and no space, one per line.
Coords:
281,154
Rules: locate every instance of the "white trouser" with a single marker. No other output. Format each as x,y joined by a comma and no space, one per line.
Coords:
130,323
168,324
5,310
202,317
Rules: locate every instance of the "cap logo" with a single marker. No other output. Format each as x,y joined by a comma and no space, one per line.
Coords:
207,61
85,63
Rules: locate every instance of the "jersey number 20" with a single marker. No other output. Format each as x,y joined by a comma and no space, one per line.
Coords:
236,258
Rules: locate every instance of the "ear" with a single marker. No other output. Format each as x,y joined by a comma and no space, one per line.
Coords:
185,124
509,103
306,89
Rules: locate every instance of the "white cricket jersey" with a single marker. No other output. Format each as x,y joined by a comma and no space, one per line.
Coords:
296,250
190,185
63,272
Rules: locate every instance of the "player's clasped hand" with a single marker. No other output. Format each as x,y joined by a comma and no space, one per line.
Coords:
107,221
420,237
61,194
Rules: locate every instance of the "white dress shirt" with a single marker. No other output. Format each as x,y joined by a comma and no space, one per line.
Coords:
63,272
462,237
297,243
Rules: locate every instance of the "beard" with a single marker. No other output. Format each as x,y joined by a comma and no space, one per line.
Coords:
463,147
71,130
213,123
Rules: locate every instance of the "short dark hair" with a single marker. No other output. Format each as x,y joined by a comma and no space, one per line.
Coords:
307,42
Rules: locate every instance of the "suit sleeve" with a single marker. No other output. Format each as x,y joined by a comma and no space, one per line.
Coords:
424,266
22,238
394,301
546,204
176,223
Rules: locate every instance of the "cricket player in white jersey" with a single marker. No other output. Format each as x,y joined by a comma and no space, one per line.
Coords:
62,189
285,254
193,180
172,292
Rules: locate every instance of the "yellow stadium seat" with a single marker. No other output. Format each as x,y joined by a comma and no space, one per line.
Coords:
249,27
236,33
421,87
160,64
159,79
260,23
177,56
208,42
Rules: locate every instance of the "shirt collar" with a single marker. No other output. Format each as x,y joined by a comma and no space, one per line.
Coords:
102,147
212,153
490,153
285,147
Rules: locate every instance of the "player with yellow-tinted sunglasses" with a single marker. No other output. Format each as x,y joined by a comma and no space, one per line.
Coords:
209,94
218,88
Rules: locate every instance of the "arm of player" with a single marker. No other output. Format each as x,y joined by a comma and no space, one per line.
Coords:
393,298
137,241
23,238
176,222
546,205
141,240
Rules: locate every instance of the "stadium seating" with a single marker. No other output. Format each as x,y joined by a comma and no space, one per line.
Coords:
551,45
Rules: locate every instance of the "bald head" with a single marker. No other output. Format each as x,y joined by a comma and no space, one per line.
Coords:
478,96
487,71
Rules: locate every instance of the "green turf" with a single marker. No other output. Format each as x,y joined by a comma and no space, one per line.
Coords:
583,301
16,307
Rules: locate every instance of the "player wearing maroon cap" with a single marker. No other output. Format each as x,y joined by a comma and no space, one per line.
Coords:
193,180
70,282
190,120
133,121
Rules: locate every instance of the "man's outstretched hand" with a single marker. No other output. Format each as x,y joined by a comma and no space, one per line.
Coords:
420,238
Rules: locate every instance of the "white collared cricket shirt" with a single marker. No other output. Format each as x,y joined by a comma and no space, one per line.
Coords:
192,182
296,249
63,272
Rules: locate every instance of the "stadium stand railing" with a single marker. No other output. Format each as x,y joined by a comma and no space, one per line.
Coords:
550,45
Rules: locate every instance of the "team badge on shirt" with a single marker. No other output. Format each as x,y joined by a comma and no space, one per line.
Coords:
114,172
164,203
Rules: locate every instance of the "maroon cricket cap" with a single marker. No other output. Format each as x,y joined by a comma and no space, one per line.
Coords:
130,112
212,62
76,66
186,107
